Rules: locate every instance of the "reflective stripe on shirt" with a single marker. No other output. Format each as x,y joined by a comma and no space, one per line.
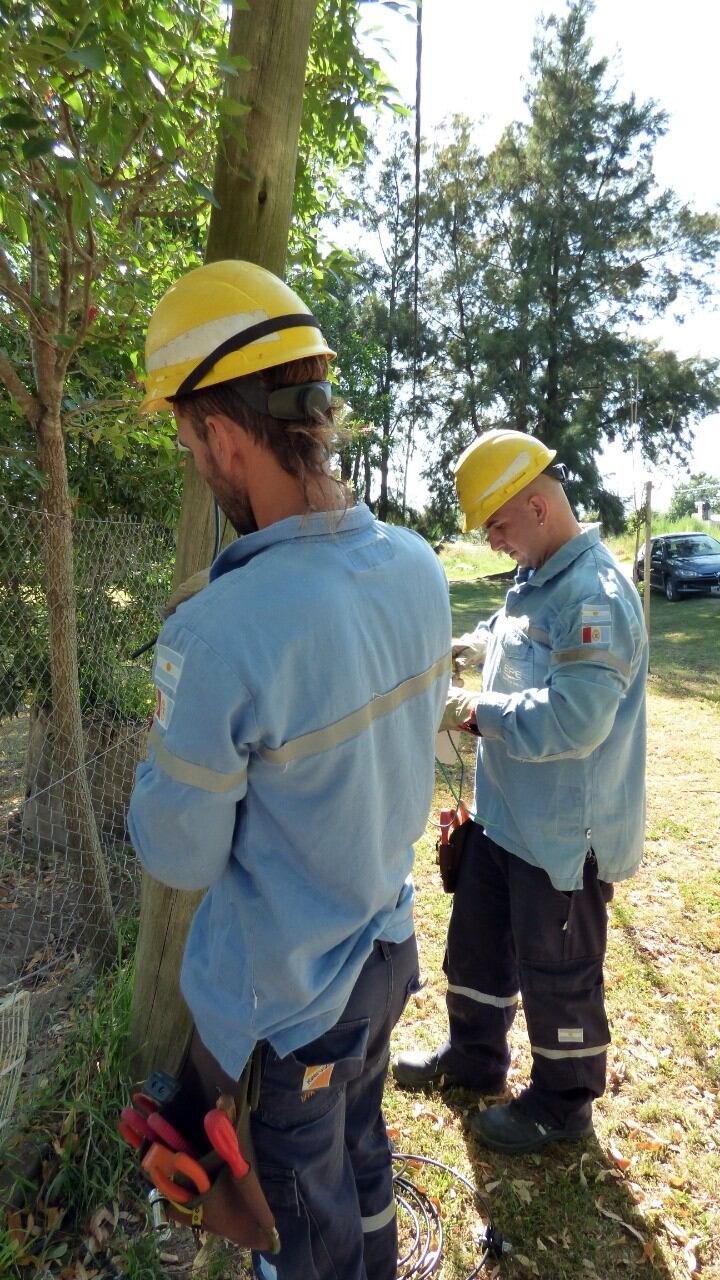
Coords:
351,725
192,775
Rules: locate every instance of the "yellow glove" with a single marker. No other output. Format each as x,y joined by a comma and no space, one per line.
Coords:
459,710
185,591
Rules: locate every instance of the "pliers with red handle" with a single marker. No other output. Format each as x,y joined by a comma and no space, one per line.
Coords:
225,1141
163,1167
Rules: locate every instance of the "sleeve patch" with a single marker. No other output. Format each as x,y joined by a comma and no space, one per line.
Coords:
595,625
164,707
597,635
168,666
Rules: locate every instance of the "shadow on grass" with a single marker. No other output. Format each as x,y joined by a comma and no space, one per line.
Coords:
684,1039
568,1212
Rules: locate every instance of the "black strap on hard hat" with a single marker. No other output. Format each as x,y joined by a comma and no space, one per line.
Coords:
239,340
288,404
558,471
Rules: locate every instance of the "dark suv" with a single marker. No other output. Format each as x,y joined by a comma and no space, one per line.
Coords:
683,563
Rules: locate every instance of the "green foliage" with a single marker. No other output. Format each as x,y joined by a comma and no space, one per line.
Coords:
548,256
699,487
108,123
345,90
109,118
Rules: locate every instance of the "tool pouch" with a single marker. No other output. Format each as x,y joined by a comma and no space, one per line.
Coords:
450,848
234,1208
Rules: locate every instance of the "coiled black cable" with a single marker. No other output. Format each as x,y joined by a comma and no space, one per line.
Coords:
423,1255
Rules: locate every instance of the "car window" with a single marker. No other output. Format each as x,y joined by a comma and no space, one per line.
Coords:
702,546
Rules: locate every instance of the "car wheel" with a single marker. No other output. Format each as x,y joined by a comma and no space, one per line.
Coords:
671,590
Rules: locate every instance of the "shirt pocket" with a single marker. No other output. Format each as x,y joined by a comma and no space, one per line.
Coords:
516,668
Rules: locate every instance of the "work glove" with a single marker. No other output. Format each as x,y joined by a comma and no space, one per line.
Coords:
468,651
185,591
459,710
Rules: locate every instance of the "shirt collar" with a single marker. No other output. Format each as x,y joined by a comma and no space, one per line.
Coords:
568,552
315,524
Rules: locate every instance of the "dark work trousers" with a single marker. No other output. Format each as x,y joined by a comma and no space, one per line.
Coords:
512,933
323,1153
321,1147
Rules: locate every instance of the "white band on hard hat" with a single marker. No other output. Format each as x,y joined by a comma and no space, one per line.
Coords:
195,343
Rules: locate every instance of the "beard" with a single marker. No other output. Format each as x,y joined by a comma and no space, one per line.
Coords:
233,502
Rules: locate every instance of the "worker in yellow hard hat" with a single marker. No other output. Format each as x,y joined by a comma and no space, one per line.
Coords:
279,775
559,803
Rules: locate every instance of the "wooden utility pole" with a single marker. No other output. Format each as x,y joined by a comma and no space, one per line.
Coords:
254,186
646,570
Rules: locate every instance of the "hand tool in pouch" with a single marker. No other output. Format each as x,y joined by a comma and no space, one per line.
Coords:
454,830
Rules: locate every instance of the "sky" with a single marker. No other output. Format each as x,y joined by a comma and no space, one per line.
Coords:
475,61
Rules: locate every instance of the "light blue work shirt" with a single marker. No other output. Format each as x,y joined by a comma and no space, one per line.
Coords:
561,760
290,768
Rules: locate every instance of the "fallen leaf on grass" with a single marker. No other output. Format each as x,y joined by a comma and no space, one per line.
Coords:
526,1262
616,1077
419,1110
690,1256
676,1232
607,1213
523,1189
491,1186
619,1160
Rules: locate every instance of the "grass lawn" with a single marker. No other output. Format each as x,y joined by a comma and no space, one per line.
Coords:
642,1198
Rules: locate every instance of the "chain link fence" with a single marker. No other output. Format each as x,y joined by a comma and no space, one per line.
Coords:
65,860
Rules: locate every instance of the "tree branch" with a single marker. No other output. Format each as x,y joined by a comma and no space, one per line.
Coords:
12,288
18,391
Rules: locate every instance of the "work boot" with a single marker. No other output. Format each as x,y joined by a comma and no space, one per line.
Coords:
415,1069
509,1129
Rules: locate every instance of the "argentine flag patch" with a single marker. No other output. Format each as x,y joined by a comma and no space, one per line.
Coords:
168,666
595,624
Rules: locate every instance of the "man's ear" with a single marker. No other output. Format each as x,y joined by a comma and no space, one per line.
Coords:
223,438
538,504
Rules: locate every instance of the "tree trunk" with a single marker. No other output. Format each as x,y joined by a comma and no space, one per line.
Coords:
67,750
254,184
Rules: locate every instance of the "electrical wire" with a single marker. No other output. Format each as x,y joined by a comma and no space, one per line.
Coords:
424,1252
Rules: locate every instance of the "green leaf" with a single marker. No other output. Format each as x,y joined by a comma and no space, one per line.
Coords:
37,147
92,56
205,192
16,222
75,102
231,107
80,206
18,120
235,60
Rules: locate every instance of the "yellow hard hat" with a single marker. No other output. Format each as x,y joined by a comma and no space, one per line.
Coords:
223,321
494,468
